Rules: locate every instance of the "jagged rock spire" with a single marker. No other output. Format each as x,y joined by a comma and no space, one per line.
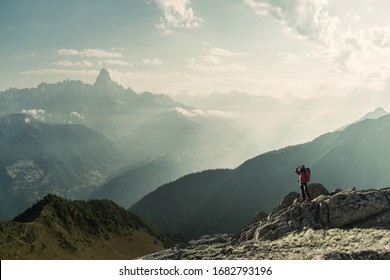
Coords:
103,78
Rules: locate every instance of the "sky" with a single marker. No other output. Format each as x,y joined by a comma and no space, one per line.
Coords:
307,48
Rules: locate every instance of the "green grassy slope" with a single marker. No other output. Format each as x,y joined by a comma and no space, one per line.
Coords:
55,228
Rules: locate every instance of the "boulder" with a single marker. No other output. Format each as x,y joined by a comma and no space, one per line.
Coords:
347,208
334,191
261,215
316,189
287,201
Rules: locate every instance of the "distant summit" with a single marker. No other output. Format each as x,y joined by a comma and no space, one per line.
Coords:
104,79
377,113
373,115
104,74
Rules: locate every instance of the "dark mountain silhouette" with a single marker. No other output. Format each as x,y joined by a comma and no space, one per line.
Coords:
130,186
185,200
357,156
55,228
37,158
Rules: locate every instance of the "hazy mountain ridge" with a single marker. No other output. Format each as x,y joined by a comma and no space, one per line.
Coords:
130,186
55,228
356,156
104,106
37,158
174,145
278,122
211,142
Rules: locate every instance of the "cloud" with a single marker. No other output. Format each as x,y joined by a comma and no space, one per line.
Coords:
99,53
224,52
154,61
36,113
219,114
67,63
200,113
62,72
77,115
368,47
203,65
288,56
215,60
362,58
177,14
115,62
185,112
359,55
211,59
308,18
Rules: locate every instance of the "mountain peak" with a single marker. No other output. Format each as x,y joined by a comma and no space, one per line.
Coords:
103,77
377,113
104,74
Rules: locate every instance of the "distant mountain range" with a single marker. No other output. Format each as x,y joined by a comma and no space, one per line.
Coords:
104,106
275,123
37,158
156,136
175,145
200,137
223,200
55,228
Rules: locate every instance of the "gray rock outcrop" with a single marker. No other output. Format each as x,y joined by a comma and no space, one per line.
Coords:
325,211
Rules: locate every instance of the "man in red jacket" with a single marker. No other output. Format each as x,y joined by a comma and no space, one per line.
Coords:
303,179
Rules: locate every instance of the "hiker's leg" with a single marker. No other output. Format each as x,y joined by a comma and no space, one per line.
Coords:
303,192
307,192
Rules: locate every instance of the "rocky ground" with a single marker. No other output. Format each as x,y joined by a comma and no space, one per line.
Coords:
356,243
345,224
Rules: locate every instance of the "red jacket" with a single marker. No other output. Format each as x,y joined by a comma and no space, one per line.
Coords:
304,176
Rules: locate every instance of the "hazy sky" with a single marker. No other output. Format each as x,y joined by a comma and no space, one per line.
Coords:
274,47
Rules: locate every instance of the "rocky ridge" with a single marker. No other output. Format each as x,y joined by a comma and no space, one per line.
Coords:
342,224
335,210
